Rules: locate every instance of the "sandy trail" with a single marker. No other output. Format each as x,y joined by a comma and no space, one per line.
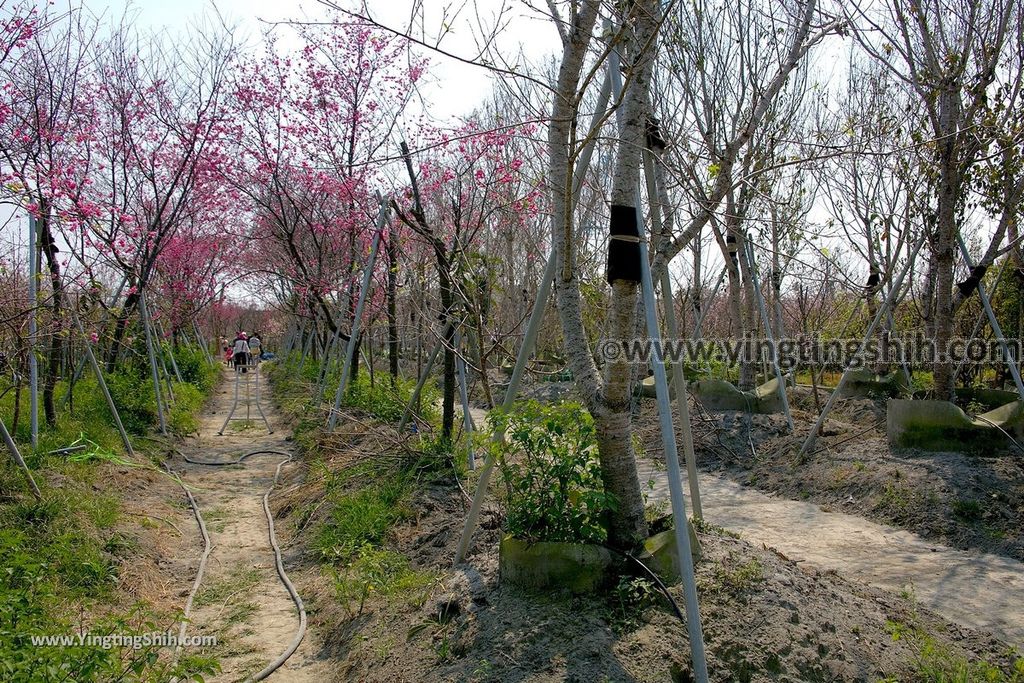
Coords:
241,600
974,589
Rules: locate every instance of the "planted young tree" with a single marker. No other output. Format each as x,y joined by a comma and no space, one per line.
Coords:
961,61
161,121
606,399
46,119
310,132
867,189
744,96
464,188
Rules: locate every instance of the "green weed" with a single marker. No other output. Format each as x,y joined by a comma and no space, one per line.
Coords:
60,556
360,518
967,510
378,571
936,662
630,597
736,578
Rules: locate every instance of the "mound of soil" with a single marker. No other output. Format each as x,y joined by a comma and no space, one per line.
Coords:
765,617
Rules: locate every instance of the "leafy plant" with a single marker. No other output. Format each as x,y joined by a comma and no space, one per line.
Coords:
378,571
195,370
631,596
386,402
60,559
552,474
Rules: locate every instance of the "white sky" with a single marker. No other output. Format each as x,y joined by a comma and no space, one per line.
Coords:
455,89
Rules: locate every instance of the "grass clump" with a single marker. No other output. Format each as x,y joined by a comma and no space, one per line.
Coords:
936,662
351,543
379,571
60,559
736,578
240,580
967,510
388,403
365,499
362,518
629,599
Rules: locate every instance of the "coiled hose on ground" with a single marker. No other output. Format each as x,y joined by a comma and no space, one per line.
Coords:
301,632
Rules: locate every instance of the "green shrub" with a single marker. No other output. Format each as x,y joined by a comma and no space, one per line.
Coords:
552,474
133,395
188,402
195,370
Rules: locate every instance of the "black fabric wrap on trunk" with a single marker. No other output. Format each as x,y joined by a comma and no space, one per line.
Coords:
733,248
655,141
968,286
624,254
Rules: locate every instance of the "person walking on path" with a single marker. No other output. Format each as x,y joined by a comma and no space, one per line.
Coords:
241,352
255,348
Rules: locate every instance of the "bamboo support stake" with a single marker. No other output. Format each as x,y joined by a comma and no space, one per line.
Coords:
1011,362
676,495
353,338
532,330
424,374
154,370
467,419
103,385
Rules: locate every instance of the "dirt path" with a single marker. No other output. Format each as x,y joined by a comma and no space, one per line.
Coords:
978,590
241,598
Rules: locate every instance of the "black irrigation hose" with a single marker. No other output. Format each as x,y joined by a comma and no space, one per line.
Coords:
300,634
657,580
1005,433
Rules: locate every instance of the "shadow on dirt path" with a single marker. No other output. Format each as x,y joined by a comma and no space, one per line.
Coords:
974,589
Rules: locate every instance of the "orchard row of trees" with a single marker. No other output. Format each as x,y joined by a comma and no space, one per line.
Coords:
835,186
194,170
832,139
